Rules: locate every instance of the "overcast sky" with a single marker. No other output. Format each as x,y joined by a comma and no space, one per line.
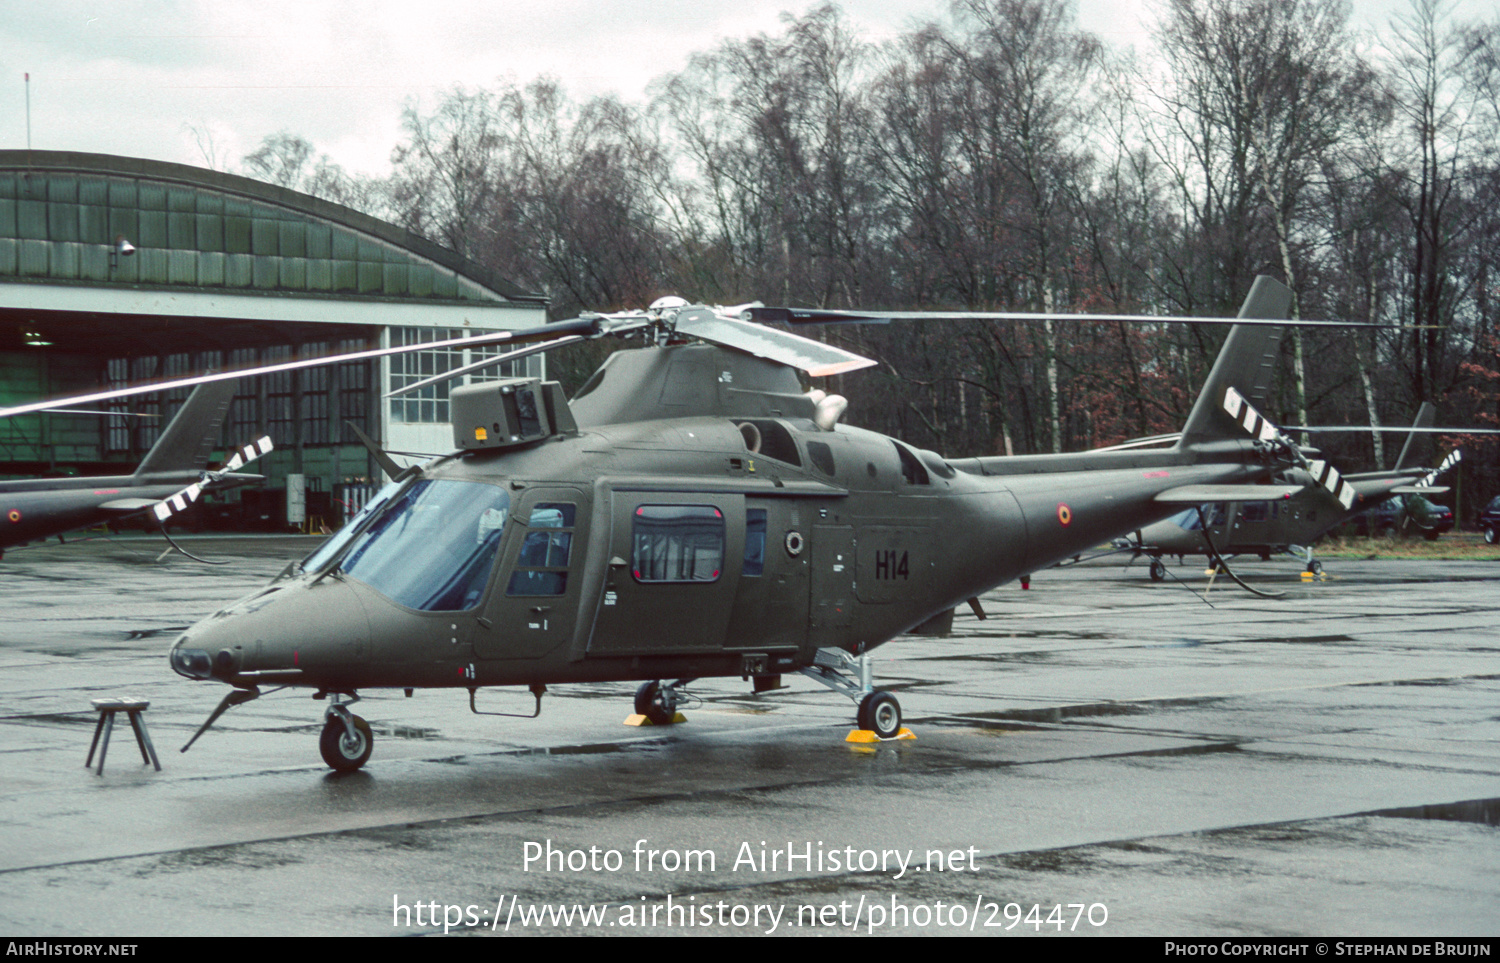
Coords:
153,78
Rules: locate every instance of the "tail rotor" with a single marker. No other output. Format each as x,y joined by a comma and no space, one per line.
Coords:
181,500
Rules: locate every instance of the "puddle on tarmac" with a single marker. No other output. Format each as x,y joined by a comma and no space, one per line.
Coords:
598,748
1002,657
133,634
1485,811
1297,639
1058,713
407,732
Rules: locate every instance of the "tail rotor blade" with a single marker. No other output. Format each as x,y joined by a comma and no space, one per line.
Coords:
1262,429
179,502
1454,457
246,454
1328,476
1251,420
173,504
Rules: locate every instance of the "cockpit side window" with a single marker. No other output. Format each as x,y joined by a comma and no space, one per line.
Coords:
542,567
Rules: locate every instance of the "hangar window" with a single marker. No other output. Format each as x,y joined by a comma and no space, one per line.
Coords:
429,405
677,543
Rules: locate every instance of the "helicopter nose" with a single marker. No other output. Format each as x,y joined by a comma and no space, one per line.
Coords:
191,662
190,658
288,629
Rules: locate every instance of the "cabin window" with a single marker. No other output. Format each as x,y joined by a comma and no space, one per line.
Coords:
1255,511
542,567
755,542
677,543
1187,520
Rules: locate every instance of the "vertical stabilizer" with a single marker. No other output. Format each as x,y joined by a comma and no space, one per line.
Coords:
1425,415
1246,363
193,434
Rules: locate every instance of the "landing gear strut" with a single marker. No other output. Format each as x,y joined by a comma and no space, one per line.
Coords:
347,741
1314,566
879,712
659,702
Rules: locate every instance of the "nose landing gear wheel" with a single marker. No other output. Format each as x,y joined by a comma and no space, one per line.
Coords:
656,702
880,713
1158,570
340,751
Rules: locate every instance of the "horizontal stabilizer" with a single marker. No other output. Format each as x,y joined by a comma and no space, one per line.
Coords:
1420,490
1198,494
128,505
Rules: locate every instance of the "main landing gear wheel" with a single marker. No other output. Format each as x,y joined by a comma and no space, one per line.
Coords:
656,702
1158,570
880,713
341,751
1315,567
1490,535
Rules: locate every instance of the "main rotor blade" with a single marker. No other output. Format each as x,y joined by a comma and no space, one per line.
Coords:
483,363
814,357
613,326
796,316
577,326
1385,429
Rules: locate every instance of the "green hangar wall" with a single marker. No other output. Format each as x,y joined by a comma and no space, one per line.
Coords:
118,270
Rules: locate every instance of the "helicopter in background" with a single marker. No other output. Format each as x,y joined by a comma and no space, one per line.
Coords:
694,512
167,481
1221,530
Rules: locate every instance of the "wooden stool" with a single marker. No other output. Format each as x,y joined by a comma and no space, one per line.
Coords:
132,708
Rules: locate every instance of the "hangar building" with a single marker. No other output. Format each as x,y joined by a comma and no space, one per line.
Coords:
118,270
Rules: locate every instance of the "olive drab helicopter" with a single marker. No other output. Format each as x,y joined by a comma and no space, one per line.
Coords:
167,481
1221,530
695,512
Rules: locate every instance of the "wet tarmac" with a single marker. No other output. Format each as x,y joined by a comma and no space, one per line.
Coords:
1104,755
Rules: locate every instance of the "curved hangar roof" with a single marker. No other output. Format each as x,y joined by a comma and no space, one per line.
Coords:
214,245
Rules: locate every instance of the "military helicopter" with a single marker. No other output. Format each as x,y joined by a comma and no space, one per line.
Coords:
1221,530
694,512
167,481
